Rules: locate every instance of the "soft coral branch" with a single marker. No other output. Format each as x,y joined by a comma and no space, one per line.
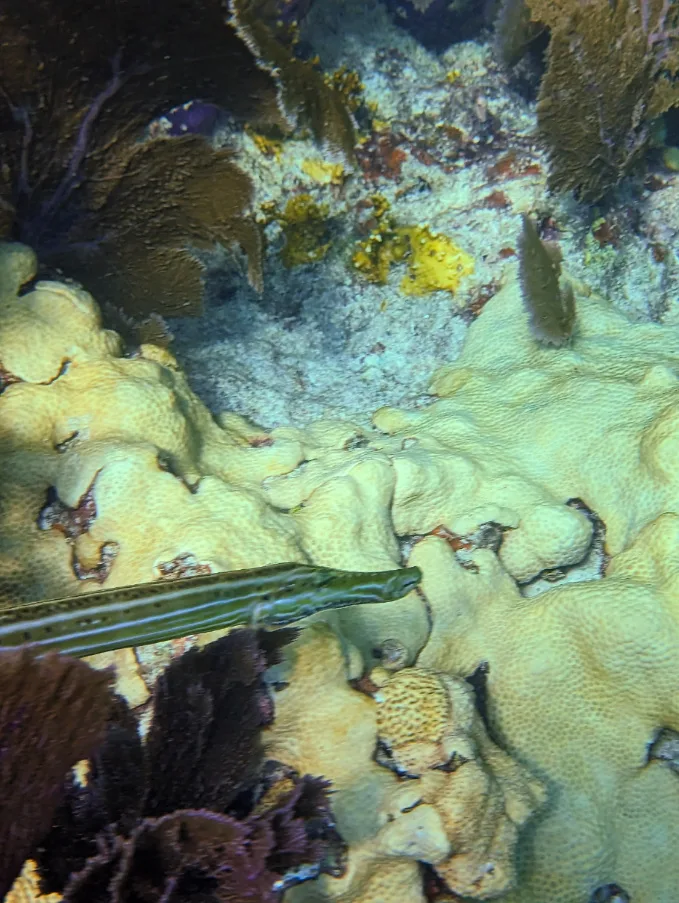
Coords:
82,143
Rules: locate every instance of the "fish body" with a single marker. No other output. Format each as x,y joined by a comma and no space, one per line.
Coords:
150,612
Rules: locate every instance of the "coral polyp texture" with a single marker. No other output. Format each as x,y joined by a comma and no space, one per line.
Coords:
501,725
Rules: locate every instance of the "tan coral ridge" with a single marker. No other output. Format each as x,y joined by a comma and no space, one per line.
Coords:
580,678
432,731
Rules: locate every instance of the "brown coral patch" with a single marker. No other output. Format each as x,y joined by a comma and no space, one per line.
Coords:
183,566
496,200
511,165
91,560
304,97
72,522
7,379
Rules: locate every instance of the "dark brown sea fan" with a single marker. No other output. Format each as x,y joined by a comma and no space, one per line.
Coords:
53,713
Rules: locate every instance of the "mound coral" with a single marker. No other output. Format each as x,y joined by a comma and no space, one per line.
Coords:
530,457
430,729
464,802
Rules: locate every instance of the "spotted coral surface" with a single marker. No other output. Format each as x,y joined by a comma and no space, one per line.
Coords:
429,727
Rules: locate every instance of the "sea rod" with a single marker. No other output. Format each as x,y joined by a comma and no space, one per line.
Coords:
150,612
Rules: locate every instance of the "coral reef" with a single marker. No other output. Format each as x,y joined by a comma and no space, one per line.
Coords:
460,810
589,647
431,730
77,182
610,74
499,491
147,432
520,430
91,439
80,90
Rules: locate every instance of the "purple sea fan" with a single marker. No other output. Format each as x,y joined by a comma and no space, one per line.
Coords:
195,812
53,712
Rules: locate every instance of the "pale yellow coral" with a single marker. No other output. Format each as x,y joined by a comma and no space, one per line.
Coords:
432,731
463,819
580,679
166,482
